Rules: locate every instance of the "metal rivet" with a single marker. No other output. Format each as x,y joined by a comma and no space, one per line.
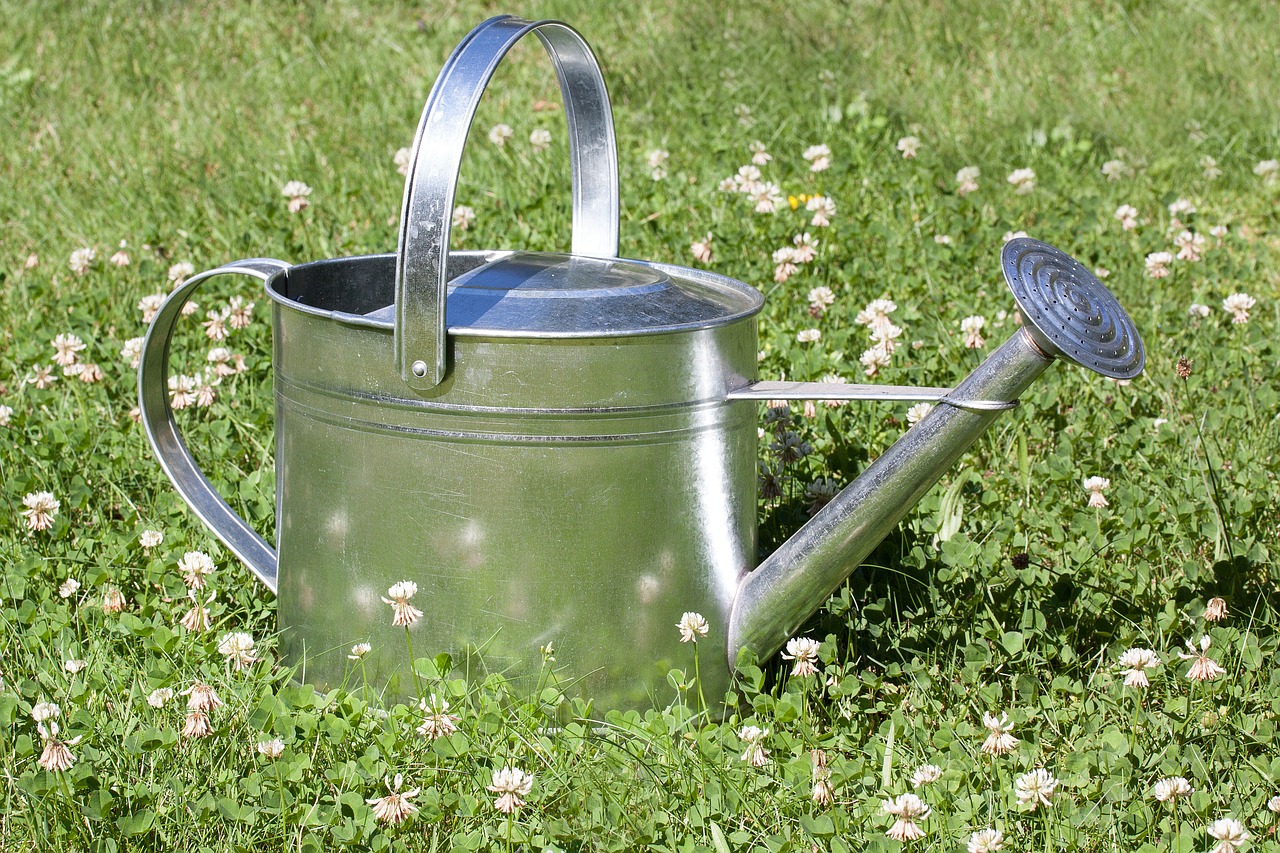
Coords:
419,368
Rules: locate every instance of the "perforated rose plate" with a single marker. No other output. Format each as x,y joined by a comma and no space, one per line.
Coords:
1069,312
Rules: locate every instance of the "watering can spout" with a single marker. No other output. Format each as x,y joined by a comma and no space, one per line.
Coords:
1067,313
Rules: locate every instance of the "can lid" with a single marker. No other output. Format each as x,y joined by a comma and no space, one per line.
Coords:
536,294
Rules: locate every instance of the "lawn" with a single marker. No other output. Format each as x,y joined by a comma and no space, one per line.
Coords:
1068,644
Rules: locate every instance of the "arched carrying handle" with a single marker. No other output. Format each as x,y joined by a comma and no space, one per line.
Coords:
162,431
427,211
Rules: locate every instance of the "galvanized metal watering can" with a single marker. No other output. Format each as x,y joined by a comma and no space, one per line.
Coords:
560,450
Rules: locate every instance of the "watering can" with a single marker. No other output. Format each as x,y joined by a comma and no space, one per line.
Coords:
560,450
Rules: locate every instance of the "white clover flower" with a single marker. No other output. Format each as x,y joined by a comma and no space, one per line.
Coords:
197,618
756,755
69,588
6,412
876,314
404,614
180,272
112,600
463,216
657,160
820,492
986,841
1022,180
402,158
1180,207
1198,311
149,305
767,197
271,749
296,192
1267,170
195,567
75,665
359,650
41,508
1135,663
874,359
395,807
238,648
926,774
823,792
701,249
1158,264
820,299
42,377
121,257
759,156
67,349
692,626
56,755
202,697
806,248
1229,833
131,352
1127,215
1095,487
438,722
81,259
823,208
1238,305
1274,804
1036,788
1209,168
819,157
32,261
500,133
1171,788
540,140
196,724
967,180
909,146
971,328
917,412
44,711
150,539
1216,609
158,697
808,336
804,651
907,808
1013,235
1190,246
999,738
1114,170
1203,667
511,785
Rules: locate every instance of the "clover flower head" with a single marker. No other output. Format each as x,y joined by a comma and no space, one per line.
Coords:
692,626
1171,788
1036,788
404,614
511,784
804,651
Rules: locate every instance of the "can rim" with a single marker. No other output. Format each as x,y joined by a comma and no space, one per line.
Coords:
384,320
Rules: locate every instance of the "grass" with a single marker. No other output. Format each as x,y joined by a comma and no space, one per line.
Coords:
174,126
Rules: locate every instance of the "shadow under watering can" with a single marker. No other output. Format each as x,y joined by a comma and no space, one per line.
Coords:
561,449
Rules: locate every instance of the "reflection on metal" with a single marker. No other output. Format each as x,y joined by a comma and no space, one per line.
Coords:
560,450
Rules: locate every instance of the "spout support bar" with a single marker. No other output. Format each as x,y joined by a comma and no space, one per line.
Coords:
847,391
775,600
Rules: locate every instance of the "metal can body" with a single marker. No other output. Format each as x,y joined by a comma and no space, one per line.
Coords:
574,495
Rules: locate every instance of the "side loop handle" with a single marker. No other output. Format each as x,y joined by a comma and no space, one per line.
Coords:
426,213
166,440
